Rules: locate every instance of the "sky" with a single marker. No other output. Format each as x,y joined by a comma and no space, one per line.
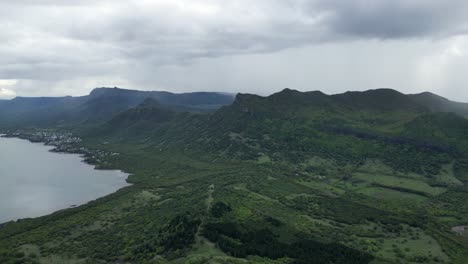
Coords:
60,47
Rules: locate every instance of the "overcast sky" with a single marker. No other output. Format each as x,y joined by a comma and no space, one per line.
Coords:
61,47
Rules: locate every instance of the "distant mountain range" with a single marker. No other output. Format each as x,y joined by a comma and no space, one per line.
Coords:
100,105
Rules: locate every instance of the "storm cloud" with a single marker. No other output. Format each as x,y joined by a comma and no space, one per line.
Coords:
68,47
396,19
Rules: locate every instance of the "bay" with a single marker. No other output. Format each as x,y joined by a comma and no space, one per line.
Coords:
36,182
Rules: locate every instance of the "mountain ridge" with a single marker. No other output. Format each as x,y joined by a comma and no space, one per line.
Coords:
382,94
99,106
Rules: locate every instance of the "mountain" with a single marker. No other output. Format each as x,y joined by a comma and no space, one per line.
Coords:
295,177
99,106
440,104
292,126
195,100
379,100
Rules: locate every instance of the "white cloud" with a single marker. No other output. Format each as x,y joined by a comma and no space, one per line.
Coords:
5,92
5,88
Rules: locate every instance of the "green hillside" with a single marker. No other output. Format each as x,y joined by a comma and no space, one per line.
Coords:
295,177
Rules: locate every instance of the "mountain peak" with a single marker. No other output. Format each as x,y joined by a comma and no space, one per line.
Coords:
110,91
383,99
288,91
376,92
295,96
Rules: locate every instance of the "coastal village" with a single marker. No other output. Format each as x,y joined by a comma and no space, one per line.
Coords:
64,142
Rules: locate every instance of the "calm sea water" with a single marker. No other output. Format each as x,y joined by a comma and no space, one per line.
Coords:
35,182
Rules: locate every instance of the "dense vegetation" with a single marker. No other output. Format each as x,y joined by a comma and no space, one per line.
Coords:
361,177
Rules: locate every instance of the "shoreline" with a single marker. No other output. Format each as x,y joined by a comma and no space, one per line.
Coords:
82,151
84,158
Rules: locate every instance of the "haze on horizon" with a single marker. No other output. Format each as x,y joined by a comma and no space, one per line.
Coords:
56,47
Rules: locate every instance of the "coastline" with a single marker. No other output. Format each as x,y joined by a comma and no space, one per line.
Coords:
93,157
85,157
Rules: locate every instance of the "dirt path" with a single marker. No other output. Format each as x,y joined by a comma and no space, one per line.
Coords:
202,245
209,200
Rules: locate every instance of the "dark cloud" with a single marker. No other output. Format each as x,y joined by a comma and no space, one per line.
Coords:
396,18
